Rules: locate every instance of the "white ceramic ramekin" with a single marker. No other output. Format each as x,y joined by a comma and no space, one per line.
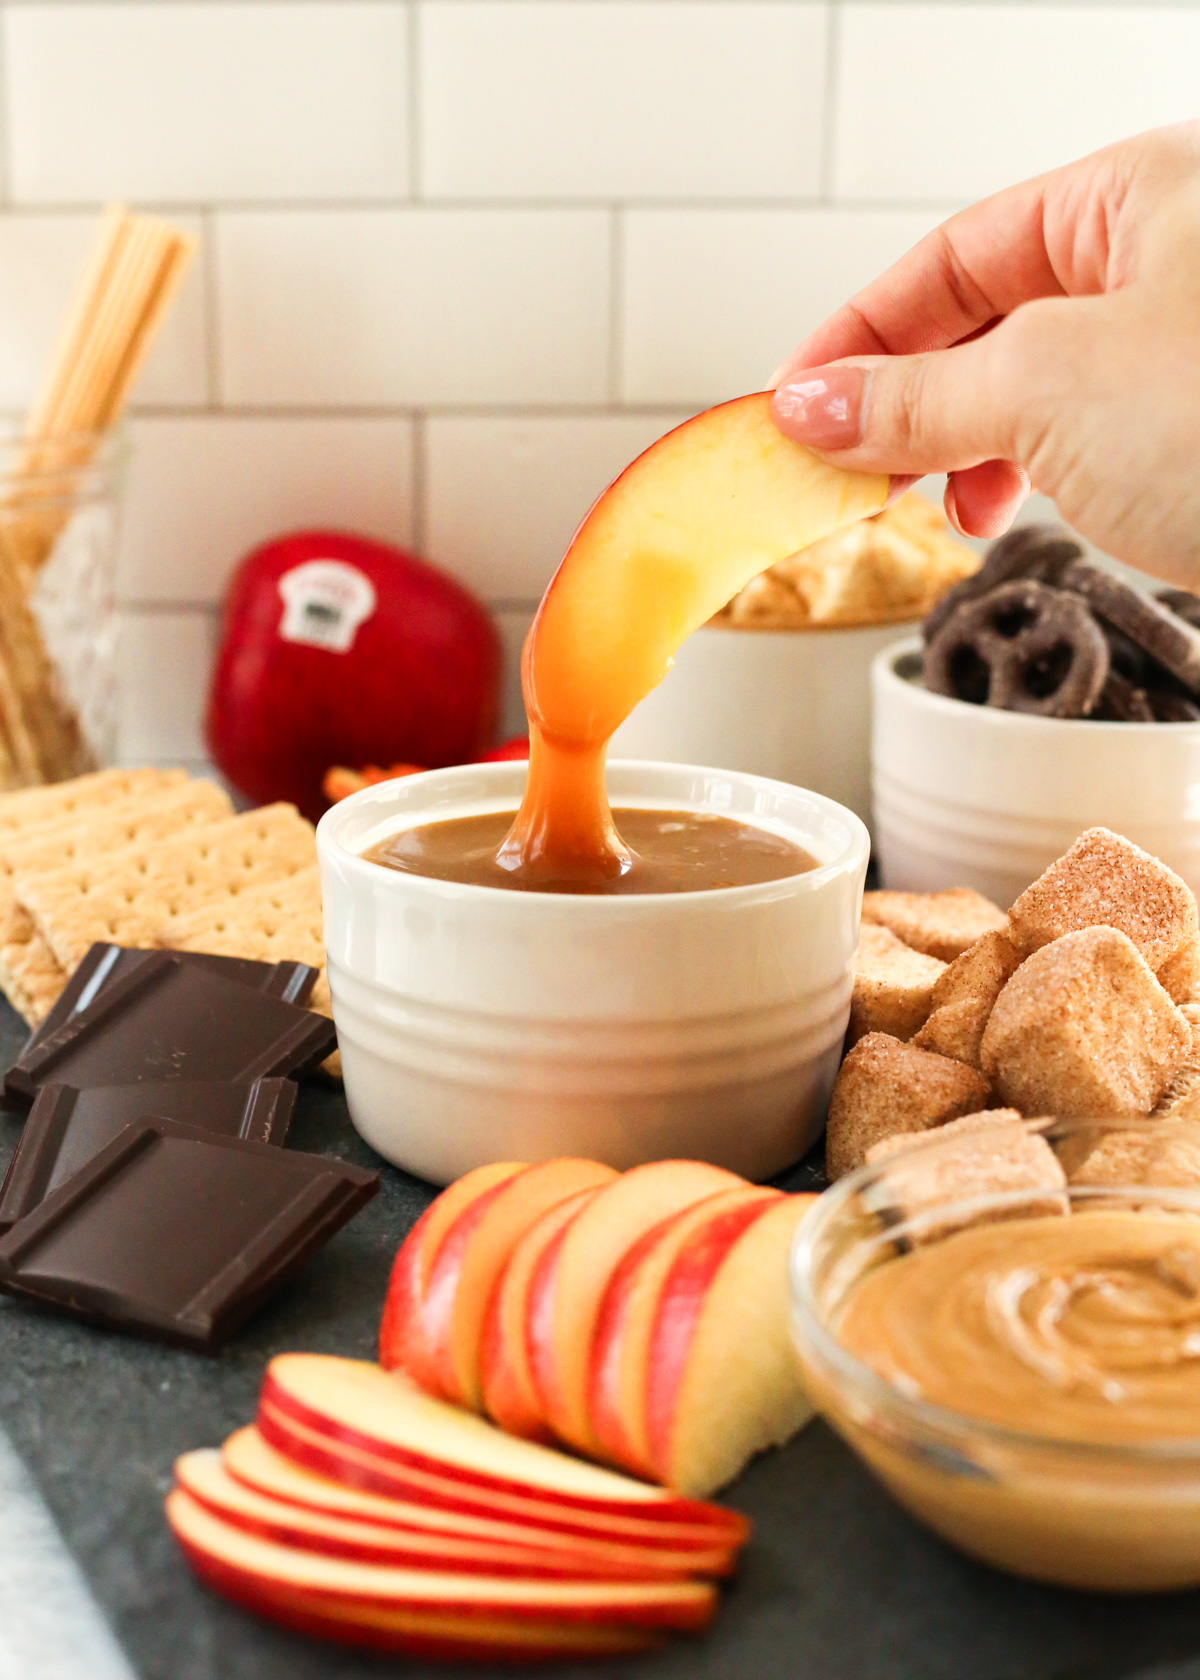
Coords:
792,704
968,796
480,1025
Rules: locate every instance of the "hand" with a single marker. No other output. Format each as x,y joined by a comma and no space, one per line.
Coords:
1049,336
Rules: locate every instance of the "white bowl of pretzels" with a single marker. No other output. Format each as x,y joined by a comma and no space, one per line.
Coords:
1059,699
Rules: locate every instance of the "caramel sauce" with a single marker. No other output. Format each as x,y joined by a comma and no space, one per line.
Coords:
666,852
690,522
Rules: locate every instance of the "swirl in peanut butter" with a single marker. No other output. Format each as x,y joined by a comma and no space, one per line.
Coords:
1083,1327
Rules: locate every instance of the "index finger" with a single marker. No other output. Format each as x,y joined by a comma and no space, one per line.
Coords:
974,268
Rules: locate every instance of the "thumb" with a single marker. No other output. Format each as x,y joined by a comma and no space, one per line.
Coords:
938,412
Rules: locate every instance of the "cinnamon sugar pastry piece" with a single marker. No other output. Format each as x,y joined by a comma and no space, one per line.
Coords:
885,1087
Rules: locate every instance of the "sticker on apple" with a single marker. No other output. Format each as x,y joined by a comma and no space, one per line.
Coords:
324,603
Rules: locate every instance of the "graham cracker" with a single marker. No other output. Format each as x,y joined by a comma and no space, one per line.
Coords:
275,922
135,897
26,809
31,978
157,814
278,922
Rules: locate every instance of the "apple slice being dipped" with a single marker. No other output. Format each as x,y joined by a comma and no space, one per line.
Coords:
409,1609
510,1394
466,1265
620,1348
258,1468
723,1382
401,1342
685,526
375,1430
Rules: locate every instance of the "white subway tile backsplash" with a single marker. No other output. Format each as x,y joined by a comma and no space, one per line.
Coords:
164,662
955,101
204,491
714,299
720,98
414,306
207,100
40,259
503,496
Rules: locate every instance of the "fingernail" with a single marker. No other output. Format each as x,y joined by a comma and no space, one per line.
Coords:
823,406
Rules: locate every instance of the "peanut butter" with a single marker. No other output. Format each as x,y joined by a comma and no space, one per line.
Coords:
1081,1328
1081,1331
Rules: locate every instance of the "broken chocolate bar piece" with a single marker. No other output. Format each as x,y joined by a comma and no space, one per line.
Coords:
67,1128
170,1019
105,964
177,1233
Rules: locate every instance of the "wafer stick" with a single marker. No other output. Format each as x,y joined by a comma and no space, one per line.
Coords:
130,275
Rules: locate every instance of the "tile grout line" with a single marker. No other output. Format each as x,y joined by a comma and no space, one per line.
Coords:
413,38
833,43
6,127
211,311
616,304
420,481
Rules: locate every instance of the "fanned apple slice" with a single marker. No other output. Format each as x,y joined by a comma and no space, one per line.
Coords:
723,1381
426,1610
203,1476
254,1465
401,1342
685,526
471,1257
510,1394
625,1322
377,1430
574,1272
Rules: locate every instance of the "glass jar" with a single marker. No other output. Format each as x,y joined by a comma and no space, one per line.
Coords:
59,507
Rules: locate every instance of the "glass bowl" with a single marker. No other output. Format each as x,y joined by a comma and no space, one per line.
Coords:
1034,1500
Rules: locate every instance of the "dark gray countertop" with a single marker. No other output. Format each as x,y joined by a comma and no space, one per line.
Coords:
838,1583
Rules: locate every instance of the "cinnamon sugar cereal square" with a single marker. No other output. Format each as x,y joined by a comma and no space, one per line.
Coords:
965,995
893,985
935,1191
1105,880
885,1087
1084,1028
941,924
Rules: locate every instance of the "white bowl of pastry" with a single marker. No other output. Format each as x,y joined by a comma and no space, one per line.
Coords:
778,683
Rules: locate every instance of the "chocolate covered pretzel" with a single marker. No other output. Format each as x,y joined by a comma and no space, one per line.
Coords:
1159,631
1039,552
1023,647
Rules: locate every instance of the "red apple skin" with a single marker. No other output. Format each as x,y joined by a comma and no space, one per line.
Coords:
348,1457
406,1339
420,683
402,1344
470,1633
679,1307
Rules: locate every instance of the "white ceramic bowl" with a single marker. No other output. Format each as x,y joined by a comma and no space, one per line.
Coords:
968,796
791,704
480,1025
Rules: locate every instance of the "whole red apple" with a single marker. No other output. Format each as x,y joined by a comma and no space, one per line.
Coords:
339,650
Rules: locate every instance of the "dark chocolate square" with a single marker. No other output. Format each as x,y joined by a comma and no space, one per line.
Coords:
105,964
66,1127
178,1233
168,1020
